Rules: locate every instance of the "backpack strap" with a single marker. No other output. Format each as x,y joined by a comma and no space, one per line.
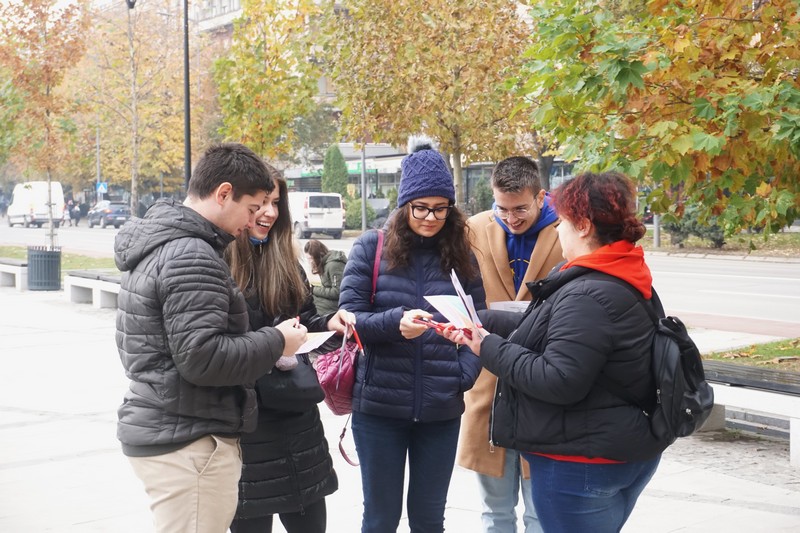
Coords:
655,304
341,443
376,266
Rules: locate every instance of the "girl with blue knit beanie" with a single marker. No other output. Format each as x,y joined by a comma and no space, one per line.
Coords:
408,396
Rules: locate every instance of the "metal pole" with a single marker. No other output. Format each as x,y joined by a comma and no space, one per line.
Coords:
187,128
656,231
97,156
364,187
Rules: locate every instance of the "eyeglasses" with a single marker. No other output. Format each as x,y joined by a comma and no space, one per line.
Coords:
421,212
519,212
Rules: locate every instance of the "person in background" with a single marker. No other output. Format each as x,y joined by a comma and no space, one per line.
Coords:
75,213
408,395
186,345
591,453
329,266
515,243
66,215
287,468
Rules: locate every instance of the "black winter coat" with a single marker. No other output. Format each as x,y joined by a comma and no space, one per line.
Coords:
423,379
579,324
286,463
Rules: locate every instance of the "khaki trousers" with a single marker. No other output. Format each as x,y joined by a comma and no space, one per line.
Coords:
194,489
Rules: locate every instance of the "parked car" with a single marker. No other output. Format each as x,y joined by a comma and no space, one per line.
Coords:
107,213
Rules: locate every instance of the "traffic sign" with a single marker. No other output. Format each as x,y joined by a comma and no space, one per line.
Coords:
102,187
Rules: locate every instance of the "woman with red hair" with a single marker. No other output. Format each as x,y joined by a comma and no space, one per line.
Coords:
591,453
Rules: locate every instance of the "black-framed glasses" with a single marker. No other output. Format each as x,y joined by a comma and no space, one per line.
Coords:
521,213
421,212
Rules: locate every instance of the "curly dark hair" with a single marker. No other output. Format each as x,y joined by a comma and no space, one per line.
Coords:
454,247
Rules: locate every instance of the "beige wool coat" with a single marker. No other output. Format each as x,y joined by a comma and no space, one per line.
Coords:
489,244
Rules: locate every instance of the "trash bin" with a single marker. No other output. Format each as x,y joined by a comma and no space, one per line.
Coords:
44,269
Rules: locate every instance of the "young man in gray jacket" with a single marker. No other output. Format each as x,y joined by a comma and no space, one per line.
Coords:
182,335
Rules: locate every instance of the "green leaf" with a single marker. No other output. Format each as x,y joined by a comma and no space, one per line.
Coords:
704,109
631,74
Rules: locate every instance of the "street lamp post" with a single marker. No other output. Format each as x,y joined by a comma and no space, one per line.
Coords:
187,123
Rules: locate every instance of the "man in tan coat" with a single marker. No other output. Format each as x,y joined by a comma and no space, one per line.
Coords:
515,243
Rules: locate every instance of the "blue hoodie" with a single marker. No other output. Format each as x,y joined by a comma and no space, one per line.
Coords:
520,247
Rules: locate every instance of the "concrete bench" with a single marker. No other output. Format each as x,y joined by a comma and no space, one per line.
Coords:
13,273
93,287
764,391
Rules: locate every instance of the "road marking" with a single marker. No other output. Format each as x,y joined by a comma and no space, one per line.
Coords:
755,294
717,276
671,310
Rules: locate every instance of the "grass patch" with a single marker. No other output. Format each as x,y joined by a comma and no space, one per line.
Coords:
780,355
784,244
68,261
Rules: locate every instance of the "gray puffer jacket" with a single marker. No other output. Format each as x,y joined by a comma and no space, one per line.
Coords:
182,334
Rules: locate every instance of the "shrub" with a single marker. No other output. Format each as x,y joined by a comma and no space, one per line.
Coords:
352,219
690,224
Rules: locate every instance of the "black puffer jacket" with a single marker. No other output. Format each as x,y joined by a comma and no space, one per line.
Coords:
287,465
579,324
182,334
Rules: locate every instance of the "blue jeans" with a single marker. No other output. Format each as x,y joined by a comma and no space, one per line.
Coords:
500,496
383,445
577,497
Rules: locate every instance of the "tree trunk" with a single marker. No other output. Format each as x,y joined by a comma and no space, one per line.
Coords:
545,164
458,177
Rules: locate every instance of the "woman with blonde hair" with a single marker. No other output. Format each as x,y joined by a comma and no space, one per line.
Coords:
287,469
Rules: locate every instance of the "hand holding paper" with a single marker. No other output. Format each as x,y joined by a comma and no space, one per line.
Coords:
458,309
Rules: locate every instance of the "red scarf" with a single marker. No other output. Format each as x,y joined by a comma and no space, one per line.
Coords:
621,259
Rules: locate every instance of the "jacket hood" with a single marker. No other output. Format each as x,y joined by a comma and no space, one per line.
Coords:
621,259
335,255
167,220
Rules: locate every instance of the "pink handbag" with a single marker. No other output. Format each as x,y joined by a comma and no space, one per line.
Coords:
337,375
336,370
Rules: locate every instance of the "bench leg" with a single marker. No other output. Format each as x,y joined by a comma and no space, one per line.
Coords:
79,295
716,420
7,279
794,442
105,299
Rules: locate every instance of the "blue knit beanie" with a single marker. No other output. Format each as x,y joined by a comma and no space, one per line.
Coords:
424,173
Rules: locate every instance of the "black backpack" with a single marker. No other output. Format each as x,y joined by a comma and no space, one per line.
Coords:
683,398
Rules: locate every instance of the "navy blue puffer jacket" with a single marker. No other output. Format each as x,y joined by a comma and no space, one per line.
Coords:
423,379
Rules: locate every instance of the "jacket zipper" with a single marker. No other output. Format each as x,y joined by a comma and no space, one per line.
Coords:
418,267
491,417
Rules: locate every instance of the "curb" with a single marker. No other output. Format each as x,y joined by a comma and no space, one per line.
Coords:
726,257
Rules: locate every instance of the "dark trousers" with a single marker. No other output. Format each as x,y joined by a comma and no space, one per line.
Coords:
311,520
571,497
383,445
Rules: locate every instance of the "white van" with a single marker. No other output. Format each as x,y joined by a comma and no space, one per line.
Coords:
29,205
317,212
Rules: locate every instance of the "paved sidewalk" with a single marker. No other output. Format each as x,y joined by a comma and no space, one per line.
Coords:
61,468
